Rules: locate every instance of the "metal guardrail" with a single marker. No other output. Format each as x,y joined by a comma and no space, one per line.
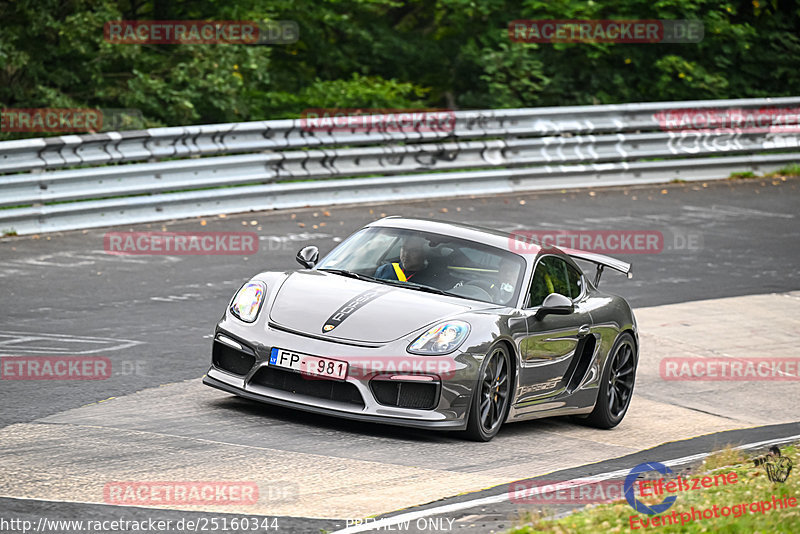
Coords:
280,164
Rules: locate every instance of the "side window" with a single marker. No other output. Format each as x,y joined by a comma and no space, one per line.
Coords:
550,277
575,282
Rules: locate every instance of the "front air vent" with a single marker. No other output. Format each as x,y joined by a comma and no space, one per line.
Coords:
320,388
416,395
231,360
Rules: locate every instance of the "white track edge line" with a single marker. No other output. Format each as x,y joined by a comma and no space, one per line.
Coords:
410,516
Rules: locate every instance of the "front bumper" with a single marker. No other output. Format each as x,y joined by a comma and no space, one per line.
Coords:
365,417
355,398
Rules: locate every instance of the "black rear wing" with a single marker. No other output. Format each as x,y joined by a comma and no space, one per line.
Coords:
601,262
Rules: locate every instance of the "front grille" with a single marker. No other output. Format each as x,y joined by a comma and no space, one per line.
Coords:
231,360
419,395
320,388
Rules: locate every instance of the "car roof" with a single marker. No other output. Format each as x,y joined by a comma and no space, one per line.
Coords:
487,236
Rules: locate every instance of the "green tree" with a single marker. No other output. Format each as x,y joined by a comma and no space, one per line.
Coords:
384,54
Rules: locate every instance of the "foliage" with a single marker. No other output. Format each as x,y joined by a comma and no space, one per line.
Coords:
385,54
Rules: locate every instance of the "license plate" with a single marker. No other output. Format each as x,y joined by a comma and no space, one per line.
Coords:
308,365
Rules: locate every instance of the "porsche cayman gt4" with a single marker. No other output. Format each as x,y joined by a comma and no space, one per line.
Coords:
433,325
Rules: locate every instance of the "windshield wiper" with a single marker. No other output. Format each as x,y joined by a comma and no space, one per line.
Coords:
349,274
413,285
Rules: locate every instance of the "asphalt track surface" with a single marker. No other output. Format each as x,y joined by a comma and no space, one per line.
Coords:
153,315
482,518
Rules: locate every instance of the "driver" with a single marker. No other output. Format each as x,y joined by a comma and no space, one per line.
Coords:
413,267
506,278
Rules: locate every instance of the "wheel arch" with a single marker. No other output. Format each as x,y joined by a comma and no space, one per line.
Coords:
635,337
607,359
512,356
632,333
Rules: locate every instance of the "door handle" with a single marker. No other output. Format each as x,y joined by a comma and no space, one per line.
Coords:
584,330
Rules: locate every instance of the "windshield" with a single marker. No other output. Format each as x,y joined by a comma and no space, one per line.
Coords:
421,260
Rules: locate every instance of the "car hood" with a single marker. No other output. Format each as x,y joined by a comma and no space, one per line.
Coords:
334,306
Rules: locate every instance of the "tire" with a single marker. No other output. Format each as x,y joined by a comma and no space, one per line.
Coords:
616,385
492,396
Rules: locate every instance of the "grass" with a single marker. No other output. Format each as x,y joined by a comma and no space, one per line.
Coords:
793,170
532,517
723,458
790,170
752,485
742,175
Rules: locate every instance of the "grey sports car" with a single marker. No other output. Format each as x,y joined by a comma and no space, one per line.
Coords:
435,325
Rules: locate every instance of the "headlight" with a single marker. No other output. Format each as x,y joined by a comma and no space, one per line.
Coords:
441,339
247,301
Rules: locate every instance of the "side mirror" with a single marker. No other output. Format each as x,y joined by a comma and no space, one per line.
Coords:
556,304
308,256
